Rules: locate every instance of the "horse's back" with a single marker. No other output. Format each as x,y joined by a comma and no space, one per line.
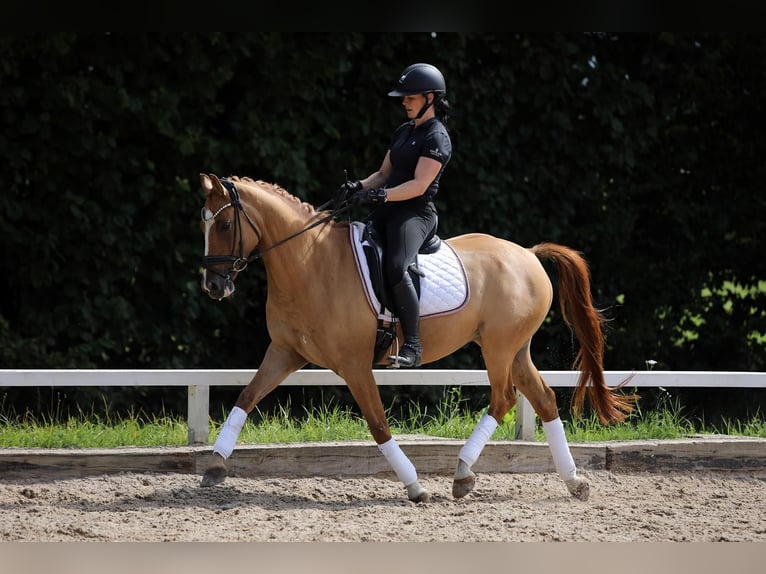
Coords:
504,271
485,247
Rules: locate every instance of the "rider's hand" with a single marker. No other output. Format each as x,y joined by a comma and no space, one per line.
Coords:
367,196
347,190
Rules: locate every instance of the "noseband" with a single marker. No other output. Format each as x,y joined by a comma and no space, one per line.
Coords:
240,262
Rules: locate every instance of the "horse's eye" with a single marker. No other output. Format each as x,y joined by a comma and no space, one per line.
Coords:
224,225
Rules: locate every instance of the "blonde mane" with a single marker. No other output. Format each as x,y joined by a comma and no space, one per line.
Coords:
301,205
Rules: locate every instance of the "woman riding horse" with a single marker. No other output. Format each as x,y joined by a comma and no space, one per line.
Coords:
332,324
403,190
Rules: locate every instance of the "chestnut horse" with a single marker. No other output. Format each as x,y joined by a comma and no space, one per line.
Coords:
317,312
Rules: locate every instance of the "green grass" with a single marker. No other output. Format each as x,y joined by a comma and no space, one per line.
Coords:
331,423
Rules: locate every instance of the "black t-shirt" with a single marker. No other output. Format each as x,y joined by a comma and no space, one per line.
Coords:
409,143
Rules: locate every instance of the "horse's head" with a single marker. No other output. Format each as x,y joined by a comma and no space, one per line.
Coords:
230,236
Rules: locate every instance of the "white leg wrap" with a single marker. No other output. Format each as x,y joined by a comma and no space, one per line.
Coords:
404,469
227,438
471,450
557,441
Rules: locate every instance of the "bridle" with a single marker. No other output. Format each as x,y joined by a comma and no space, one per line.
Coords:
240,262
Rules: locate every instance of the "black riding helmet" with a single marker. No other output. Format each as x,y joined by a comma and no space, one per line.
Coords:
420,79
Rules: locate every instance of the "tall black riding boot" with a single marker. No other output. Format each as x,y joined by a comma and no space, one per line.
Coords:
408,311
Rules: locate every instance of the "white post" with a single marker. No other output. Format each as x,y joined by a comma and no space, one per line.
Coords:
525,418
198,414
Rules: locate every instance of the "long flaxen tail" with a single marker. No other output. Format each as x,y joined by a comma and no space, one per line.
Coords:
576,304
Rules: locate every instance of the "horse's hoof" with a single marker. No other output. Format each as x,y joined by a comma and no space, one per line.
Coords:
416,493
214,475
463,481
579,488
463,486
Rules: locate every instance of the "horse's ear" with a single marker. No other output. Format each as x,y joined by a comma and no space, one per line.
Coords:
207,185
211,183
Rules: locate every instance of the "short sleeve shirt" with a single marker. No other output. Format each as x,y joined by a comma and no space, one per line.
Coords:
409,143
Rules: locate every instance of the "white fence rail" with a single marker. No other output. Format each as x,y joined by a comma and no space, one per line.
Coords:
199,382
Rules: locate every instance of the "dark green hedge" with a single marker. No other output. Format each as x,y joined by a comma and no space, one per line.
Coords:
643,151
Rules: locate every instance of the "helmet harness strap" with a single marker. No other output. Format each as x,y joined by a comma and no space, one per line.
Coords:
426,105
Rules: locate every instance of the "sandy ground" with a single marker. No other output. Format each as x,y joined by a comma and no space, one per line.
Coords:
504,507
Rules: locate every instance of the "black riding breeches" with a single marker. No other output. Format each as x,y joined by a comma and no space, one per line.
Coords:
405,228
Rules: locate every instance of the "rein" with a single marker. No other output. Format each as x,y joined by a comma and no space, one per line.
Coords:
240,263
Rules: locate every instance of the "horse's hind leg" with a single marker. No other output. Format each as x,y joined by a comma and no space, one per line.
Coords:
502,399
464,479
528,381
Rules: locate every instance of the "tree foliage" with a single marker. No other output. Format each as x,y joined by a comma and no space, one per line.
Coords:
643,151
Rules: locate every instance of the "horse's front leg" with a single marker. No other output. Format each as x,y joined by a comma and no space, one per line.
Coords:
361,383
276,366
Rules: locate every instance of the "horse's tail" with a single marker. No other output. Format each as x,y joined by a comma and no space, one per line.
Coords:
587,322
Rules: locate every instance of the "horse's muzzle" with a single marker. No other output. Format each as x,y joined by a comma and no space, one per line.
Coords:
217,287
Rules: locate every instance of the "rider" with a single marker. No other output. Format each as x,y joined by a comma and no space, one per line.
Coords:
402,191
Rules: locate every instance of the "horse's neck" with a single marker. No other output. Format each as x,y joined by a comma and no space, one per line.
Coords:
278,214
291,251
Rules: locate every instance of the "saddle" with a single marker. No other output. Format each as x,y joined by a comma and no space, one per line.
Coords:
374,246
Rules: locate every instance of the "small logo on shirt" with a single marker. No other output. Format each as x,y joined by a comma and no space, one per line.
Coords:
435,152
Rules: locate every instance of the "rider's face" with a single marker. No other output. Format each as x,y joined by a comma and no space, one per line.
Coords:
413,104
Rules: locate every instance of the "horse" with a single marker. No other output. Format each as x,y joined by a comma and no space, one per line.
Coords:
332,324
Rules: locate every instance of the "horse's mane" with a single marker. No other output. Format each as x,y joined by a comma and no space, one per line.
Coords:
303,206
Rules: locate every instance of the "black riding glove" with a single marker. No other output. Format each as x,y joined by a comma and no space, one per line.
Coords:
367,196
346,191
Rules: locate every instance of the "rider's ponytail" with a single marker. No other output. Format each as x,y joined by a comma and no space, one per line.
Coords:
441,108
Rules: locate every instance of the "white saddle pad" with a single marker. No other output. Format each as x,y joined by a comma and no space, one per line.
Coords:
443,288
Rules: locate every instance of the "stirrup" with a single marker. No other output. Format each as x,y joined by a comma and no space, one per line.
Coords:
409,356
